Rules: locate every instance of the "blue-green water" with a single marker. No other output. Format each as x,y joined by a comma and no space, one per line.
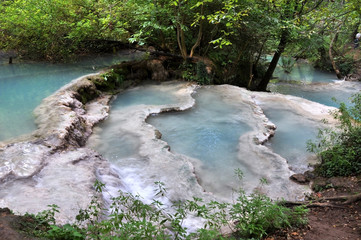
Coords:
24,85
305,73
210,131
321,93
111,139
143,95
317,86
292,133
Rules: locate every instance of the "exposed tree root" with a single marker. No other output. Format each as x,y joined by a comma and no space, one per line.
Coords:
346,199
310,204
340,201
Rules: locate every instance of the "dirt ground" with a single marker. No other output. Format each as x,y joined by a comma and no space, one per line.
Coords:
343,221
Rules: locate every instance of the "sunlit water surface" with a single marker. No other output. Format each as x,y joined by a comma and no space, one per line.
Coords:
24,85
330,94
208,133
144,95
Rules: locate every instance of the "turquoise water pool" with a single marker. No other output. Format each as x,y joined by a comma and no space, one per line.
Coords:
24,85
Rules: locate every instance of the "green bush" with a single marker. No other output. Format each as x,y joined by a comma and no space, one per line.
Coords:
339,149
252,217
287,64
258,215
42,225
196,72
346,64
110,80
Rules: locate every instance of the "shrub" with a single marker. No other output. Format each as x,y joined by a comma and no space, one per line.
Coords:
130,218
42,225
346,65
287,64
196,72
258,215
339,149
109,81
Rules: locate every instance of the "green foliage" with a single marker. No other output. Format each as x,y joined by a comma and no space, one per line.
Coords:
55,29
257,215
110,80
287,64
339,149
65,232
130,218
320,187
48,216
203,77
42,225
234,34
346,65
196,73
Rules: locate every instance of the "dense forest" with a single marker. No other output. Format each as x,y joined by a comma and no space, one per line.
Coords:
235,35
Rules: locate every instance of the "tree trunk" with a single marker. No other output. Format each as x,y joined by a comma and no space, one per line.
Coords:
181,41
197,42
262,86
249,85
199,38
334,66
